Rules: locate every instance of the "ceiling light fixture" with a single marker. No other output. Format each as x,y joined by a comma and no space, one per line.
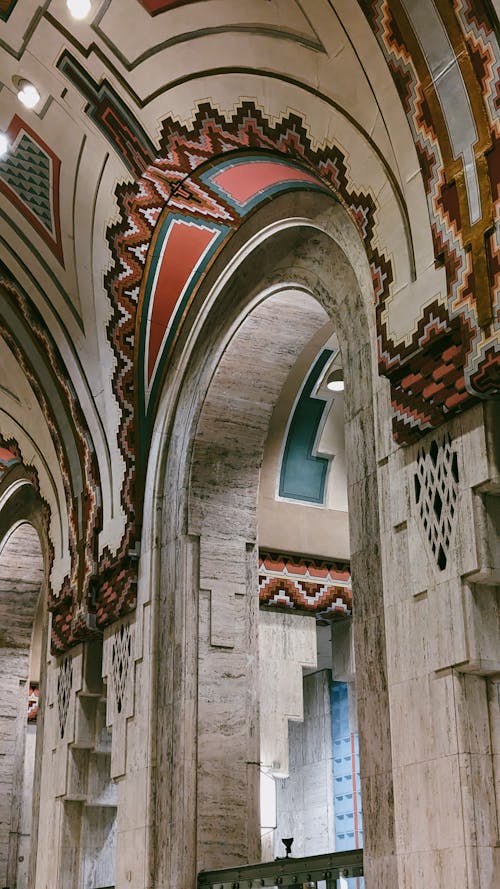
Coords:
4,144
79,9
27,94
335,381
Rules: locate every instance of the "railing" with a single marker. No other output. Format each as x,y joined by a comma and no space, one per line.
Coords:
317,870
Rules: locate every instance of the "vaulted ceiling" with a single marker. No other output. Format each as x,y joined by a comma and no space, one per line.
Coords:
160,127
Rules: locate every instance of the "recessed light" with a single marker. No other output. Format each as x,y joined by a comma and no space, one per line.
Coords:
79,9
335,382
4,144
28,94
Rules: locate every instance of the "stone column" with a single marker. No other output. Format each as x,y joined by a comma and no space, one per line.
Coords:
441,570
228,692
306,799
365,495
13,717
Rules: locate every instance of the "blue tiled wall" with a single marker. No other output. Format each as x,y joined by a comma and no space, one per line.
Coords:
345,777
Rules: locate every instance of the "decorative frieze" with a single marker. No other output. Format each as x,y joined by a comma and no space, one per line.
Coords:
305,585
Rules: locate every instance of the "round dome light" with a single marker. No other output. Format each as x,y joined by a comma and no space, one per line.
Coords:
79,9
335,382
336,386
28,94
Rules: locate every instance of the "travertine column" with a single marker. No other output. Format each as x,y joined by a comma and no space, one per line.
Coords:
57,861
224,482
365,494
13,717
287,642
215,447
228,694
306,799
127,669
443,641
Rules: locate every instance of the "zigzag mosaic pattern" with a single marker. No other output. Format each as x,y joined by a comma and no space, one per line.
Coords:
172,186
417,408
184,243
425,389
81,606
427,377
484,48
435,375
305,585
29,178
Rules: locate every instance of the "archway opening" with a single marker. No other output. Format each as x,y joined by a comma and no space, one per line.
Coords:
21,619
310,784
296,284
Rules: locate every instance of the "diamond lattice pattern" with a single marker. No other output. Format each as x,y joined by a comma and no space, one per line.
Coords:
64,685
120,659
436,491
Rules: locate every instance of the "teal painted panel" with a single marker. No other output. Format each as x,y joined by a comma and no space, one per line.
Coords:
302,475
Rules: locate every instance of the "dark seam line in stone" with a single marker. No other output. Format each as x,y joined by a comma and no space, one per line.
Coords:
45,267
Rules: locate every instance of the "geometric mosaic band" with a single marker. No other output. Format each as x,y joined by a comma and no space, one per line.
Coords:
305,585
459,155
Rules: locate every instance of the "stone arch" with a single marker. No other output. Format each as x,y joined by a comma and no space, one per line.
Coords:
300,254
39,358
25,557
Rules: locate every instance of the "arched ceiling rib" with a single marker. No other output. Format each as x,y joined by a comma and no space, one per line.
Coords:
394,103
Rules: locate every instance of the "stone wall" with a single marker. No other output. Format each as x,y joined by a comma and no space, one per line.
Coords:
305,799
13,718
442,628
